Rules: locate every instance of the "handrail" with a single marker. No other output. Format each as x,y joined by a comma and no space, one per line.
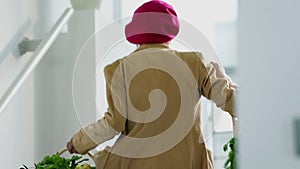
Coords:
39,53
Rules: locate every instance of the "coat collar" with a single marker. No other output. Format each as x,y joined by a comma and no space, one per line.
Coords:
152,45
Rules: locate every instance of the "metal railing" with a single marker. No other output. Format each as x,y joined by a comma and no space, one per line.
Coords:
40,49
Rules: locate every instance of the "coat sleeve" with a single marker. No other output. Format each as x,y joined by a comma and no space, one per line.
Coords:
106,128
221,91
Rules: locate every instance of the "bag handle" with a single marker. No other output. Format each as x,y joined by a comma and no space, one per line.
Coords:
91,155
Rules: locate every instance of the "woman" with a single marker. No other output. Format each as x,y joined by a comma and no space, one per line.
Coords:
151,95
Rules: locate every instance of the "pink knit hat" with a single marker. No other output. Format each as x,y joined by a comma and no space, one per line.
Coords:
153,22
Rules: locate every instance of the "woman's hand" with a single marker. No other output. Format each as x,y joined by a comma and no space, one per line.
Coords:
219,72
71,147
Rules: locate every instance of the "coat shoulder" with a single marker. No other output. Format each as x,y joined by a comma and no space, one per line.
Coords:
192,55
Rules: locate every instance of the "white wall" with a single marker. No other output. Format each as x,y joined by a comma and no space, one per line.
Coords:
18,125
41,117
17,121
57,117
269,59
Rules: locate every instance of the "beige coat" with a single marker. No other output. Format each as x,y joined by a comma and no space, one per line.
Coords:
160,129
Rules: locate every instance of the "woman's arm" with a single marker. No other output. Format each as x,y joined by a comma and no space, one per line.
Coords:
217,86
221,74
104,129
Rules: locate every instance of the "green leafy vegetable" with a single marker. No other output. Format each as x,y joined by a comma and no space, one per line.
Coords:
55,161
85,166
231,161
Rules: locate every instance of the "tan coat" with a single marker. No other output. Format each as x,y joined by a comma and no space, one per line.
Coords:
183,77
